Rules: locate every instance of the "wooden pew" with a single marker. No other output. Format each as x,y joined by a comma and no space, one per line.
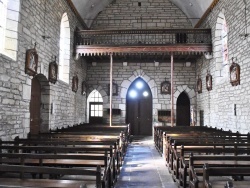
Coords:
184,162
88,161
176,132
223,171
160,131
202,137
84,136
21,170
73,142
197,163
198,140
123,130
89,149
77,139
173,146
179,151
179,154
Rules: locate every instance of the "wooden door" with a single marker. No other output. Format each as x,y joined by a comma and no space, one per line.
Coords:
139,108
183,110
35,102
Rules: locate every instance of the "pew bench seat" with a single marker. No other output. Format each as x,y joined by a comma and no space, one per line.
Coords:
24,172
220,172
42,183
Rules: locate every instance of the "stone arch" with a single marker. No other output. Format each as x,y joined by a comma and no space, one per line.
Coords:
221,69
190,93
64,49
151,83
45,106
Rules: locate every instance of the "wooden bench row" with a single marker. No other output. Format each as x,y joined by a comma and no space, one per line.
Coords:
97,158
177,145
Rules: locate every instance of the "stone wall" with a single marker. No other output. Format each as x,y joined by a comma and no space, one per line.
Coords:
127,14
59,106
152,14
218,104
99,77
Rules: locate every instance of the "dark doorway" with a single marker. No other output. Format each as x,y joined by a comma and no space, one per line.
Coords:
183,110
35,102
139,108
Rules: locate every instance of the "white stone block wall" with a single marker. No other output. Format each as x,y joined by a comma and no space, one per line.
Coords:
218,104
15,85
152,14
99,77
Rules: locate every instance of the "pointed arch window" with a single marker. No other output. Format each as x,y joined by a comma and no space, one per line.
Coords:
224,39
64,53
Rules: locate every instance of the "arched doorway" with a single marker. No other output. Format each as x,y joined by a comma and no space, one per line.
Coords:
35,102
40,107
139,108
183,110
95,107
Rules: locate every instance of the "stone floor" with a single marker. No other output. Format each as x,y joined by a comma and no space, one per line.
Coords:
143,167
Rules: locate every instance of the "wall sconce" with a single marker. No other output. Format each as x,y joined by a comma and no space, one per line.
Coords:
125,64
94,64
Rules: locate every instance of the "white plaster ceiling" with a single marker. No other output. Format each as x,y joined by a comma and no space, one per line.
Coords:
194,9
89,9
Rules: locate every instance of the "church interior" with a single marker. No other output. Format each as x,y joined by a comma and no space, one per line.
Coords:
107,73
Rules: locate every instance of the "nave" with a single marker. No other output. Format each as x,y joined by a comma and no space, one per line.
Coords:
144,167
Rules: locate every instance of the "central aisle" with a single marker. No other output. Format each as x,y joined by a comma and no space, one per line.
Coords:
143,167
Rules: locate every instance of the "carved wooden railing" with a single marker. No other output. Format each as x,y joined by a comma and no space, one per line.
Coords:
86,39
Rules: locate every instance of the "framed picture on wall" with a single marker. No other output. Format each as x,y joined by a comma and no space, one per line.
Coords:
199,85
209,82
235,74
53,71
165,87
114,89
31,62
75,83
